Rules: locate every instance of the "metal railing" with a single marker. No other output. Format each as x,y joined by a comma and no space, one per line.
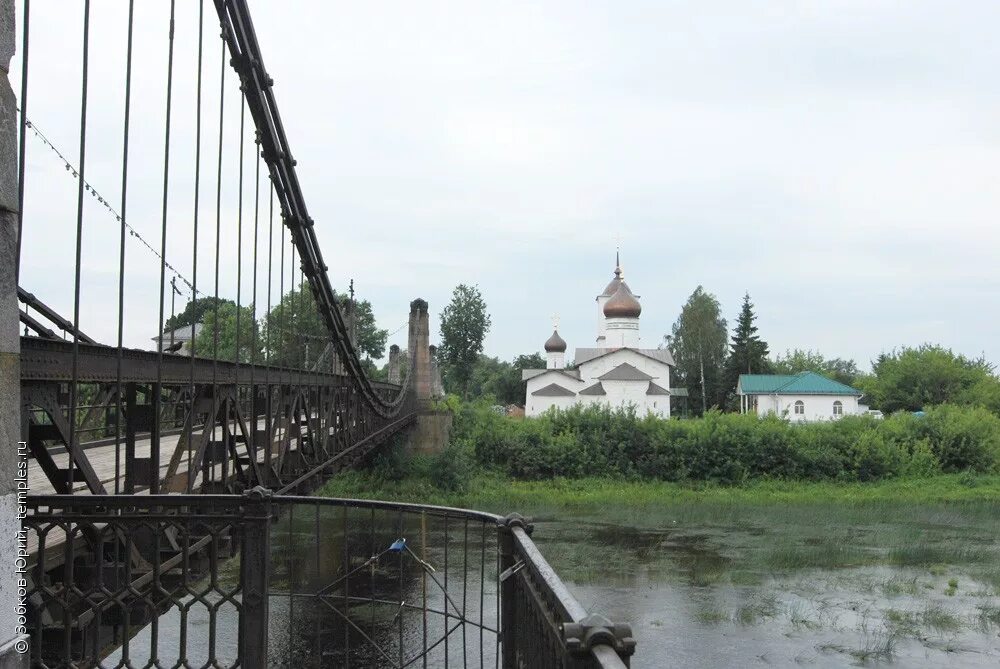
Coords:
256,580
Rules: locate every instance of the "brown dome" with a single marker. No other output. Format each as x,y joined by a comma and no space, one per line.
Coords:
616,282
612,287
555,343
622,304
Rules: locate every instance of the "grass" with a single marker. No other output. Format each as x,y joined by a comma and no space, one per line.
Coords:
708,617
933,617
939,619
990,576
757,608
708,534
989,618
498,493
900,585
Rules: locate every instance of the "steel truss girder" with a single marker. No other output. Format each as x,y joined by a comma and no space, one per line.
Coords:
51,360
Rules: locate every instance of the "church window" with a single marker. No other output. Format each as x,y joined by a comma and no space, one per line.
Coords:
838,408
800,408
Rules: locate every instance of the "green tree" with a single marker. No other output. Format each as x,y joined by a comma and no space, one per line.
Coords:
502,380
747,351
296,335
984,393
910,379
370,338
464,324
799,360
226,317
698,344
194,312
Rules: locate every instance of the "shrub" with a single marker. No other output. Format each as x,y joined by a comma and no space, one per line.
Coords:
964,438
727,448
390,464
450,469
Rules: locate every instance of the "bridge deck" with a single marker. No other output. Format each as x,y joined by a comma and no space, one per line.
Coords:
102,458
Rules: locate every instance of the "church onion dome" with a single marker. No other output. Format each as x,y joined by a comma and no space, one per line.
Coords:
615,283
555,343
613,287
622,304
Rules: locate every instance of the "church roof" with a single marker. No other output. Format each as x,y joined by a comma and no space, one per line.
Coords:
616,282
656,390
622,304
803,383
596,389
553,390
532,373
555,343
625,372
659,354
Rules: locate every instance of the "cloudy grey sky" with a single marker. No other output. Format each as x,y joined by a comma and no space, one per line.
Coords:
838,160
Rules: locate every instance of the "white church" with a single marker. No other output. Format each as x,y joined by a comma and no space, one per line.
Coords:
616,372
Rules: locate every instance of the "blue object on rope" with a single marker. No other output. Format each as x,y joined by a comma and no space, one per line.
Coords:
398,545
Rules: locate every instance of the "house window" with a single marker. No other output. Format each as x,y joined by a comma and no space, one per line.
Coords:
838,408
800,408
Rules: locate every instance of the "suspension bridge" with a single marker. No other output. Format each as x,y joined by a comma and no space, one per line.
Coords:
169,520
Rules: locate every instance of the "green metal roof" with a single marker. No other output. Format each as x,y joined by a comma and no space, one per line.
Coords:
803,383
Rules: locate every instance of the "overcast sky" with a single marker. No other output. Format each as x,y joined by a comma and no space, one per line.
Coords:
838,160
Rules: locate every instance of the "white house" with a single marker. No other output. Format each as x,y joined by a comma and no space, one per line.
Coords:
617,372
179,339
803,397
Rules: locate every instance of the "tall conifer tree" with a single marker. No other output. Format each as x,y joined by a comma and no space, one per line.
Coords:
747,351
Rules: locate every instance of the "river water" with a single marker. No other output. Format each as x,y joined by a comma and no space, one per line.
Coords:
713,593
701,587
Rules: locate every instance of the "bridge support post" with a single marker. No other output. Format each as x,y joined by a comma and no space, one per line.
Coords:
394,375
432,429
13,637
255,560
420,353
508,588
437,385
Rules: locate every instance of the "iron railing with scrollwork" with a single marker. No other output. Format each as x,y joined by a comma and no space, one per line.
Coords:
257,580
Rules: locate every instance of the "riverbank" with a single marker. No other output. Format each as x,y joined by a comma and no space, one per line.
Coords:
501,494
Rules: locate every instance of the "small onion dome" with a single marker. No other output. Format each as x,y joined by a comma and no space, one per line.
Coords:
622,304
555,343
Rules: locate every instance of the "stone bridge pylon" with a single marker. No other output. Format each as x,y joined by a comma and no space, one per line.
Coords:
431,430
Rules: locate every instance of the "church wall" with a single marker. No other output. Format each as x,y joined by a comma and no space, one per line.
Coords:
817,407
619,393
601,321
658,370
621,332
536,406
622,393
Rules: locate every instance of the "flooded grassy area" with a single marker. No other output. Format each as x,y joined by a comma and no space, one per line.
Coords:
775,574
822,585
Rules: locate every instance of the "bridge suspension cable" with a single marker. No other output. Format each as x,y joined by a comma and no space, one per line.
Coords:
259,398
257,86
